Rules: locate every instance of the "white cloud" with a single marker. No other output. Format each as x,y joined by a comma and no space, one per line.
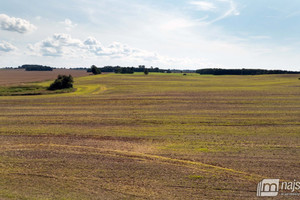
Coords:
7,47
15,24
69,25
56,46
221,10
203,5
64,46
178,23
233,10
93,45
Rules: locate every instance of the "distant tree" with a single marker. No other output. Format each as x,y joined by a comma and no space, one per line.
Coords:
124,70
35,68
62,82
118,70
95,70
146,72
218,71
127,70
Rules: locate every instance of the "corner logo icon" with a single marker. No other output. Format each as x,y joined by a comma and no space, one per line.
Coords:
268,188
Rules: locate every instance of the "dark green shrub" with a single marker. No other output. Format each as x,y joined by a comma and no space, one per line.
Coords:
62,82
146,72
95,70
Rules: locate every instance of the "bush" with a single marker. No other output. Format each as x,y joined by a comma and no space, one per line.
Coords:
62,82
146,72
95,70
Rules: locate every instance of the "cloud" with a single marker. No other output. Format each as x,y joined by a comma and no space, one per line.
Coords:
231,11
93,45
203,5
7,47
178,23
64,46
15,24
69,25
221,9
56,46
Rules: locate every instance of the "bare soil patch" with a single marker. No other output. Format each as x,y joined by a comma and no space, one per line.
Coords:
19,76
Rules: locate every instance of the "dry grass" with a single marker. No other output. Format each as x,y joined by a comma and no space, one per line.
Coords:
161,136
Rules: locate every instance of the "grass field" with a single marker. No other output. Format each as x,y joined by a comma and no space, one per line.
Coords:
161,136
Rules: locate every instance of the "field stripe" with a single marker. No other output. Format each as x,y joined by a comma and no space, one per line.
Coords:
143,156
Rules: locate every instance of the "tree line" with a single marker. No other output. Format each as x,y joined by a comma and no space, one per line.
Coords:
126,70
218,71
141,68
36,68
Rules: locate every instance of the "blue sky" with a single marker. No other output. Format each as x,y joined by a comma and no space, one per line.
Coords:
183,34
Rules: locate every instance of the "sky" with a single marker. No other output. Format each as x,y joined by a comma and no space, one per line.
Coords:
175,34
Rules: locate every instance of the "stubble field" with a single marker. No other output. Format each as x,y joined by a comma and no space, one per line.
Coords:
161,136
20,76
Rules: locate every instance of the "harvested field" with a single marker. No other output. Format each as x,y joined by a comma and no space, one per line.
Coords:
161,136
19,76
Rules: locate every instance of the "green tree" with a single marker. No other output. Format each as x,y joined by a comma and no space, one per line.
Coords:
95,70
146,72
62,82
